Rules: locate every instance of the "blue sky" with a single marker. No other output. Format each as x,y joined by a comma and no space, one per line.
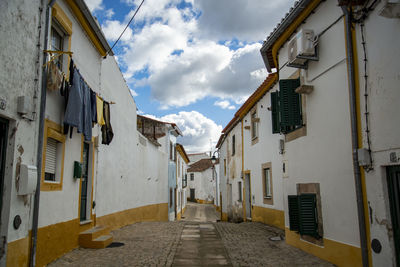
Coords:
192,62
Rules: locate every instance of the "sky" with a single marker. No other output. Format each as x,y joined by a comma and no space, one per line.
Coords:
191,62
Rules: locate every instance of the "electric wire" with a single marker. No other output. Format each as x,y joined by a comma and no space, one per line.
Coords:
134,14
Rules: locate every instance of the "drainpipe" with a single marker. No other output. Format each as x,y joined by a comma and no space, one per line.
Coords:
354,139
35,219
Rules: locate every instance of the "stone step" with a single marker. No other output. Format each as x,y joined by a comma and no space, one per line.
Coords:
97,237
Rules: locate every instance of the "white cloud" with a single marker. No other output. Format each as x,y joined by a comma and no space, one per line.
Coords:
181,63
224,104
113,29
197,130
244,20
94,5
109,13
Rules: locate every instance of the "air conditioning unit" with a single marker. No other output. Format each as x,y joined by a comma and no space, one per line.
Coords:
300,47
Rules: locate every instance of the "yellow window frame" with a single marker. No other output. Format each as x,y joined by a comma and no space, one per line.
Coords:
52,130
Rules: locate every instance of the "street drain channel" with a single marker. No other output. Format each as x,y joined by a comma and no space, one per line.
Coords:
115,245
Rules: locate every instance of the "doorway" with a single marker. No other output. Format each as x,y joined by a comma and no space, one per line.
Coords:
247,195
192,195
86,183
393,176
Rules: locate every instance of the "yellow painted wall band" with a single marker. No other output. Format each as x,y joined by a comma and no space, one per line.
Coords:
268,216
86,26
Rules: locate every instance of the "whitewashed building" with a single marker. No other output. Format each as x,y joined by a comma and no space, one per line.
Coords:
182,163
202,179
95,180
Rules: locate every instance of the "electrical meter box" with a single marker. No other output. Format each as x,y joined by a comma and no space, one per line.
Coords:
27,180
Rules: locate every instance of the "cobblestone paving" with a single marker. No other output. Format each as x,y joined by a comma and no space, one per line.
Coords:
248,244
146,244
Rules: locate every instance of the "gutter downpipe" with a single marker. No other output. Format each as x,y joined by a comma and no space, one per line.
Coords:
35,219
354,139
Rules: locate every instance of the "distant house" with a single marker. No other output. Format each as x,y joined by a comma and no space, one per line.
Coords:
163,134
202,180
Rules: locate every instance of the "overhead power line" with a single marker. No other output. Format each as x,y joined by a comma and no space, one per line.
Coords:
134,14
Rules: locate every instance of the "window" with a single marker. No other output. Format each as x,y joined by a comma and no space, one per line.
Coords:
267,183
286,107
170,151
303,216
57,41
179,168
192,177
184,181
254,121
233,145
171,199
53,157
225,167
240,191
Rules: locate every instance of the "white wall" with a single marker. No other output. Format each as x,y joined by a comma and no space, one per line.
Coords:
21,59
324,155
266,150
129,174
204,185
382,36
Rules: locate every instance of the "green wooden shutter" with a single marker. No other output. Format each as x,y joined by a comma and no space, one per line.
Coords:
293,202
308,215
289,103
275,112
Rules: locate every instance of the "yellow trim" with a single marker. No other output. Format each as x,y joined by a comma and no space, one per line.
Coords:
18,252
86,27
62,18
224,216
335,252
360,140
292,27
268,216
52,130
202,201
150,213
180,148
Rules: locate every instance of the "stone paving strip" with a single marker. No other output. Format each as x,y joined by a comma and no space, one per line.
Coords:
200,245
249,244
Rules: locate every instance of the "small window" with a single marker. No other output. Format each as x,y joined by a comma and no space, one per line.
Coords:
192,177
170,198
53,157
254,121
286,107
171,151
56,42
267,183
240,191
233,145
53,149
225,167
303,215
184,182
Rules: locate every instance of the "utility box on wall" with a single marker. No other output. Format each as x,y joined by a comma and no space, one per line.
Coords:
27,180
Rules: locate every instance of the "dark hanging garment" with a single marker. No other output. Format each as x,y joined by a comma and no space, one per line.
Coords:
74,112
87,113
106,129
93,105
71,72
64,91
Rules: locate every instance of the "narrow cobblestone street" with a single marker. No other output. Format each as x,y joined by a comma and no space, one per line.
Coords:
198,240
